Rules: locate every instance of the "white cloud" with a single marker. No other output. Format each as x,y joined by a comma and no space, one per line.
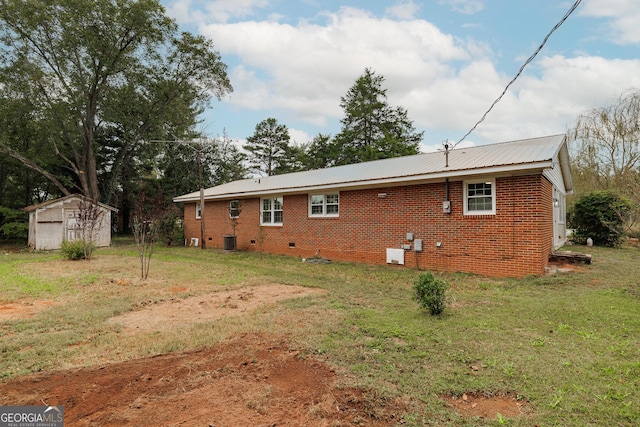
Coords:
624,16
403,10
184,11
551,103
299,136
299,72
181,11
308,67
467,7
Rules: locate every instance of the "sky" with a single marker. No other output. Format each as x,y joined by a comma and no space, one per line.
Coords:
444,61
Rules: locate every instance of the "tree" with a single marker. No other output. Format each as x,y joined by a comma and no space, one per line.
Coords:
319,153
606,148
22,134
229,163
90,221
103,77
148,218
371,129
221,162
602,216
268,147
293,159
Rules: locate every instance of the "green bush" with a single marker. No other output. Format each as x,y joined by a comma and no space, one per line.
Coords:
170,232
600,215
430,293
13,224
74,250
15,230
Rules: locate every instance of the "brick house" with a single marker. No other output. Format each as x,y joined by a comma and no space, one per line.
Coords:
496,210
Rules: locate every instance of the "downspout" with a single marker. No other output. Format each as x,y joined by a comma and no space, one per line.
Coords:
513,216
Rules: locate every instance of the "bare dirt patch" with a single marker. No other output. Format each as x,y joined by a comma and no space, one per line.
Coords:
250,380
19,310
487,406
179,311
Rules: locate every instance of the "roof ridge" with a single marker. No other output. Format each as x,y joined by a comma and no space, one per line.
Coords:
513,141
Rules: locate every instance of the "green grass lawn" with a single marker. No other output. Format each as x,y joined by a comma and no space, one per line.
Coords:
567,344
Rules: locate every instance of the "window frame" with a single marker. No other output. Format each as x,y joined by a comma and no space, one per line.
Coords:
272,210
560,203
198,210
236,208
467,197
324,205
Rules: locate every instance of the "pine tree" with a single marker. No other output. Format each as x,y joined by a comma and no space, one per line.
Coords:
268,147
371,129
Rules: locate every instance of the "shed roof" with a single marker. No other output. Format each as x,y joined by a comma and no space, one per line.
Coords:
65,198
535,154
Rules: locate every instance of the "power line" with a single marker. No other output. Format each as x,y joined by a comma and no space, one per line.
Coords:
484,116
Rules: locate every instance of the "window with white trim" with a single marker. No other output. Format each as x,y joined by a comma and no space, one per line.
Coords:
234,208
480,197
324,205
198,210
271,211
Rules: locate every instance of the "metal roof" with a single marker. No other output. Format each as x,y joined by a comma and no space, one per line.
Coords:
63,199
520,155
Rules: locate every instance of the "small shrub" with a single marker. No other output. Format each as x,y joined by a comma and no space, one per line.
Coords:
430,292
74,250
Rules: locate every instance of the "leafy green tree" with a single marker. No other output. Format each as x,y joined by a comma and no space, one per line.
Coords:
268,148
22,134
221,162
103,77
602,216
371,129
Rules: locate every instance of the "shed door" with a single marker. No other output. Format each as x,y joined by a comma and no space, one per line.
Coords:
74,231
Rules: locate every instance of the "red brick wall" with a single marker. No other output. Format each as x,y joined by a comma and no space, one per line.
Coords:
516,241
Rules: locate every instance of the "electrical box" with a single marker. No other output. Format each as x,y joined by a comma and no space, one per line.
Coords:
410,237
406,247
446,206
417,245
